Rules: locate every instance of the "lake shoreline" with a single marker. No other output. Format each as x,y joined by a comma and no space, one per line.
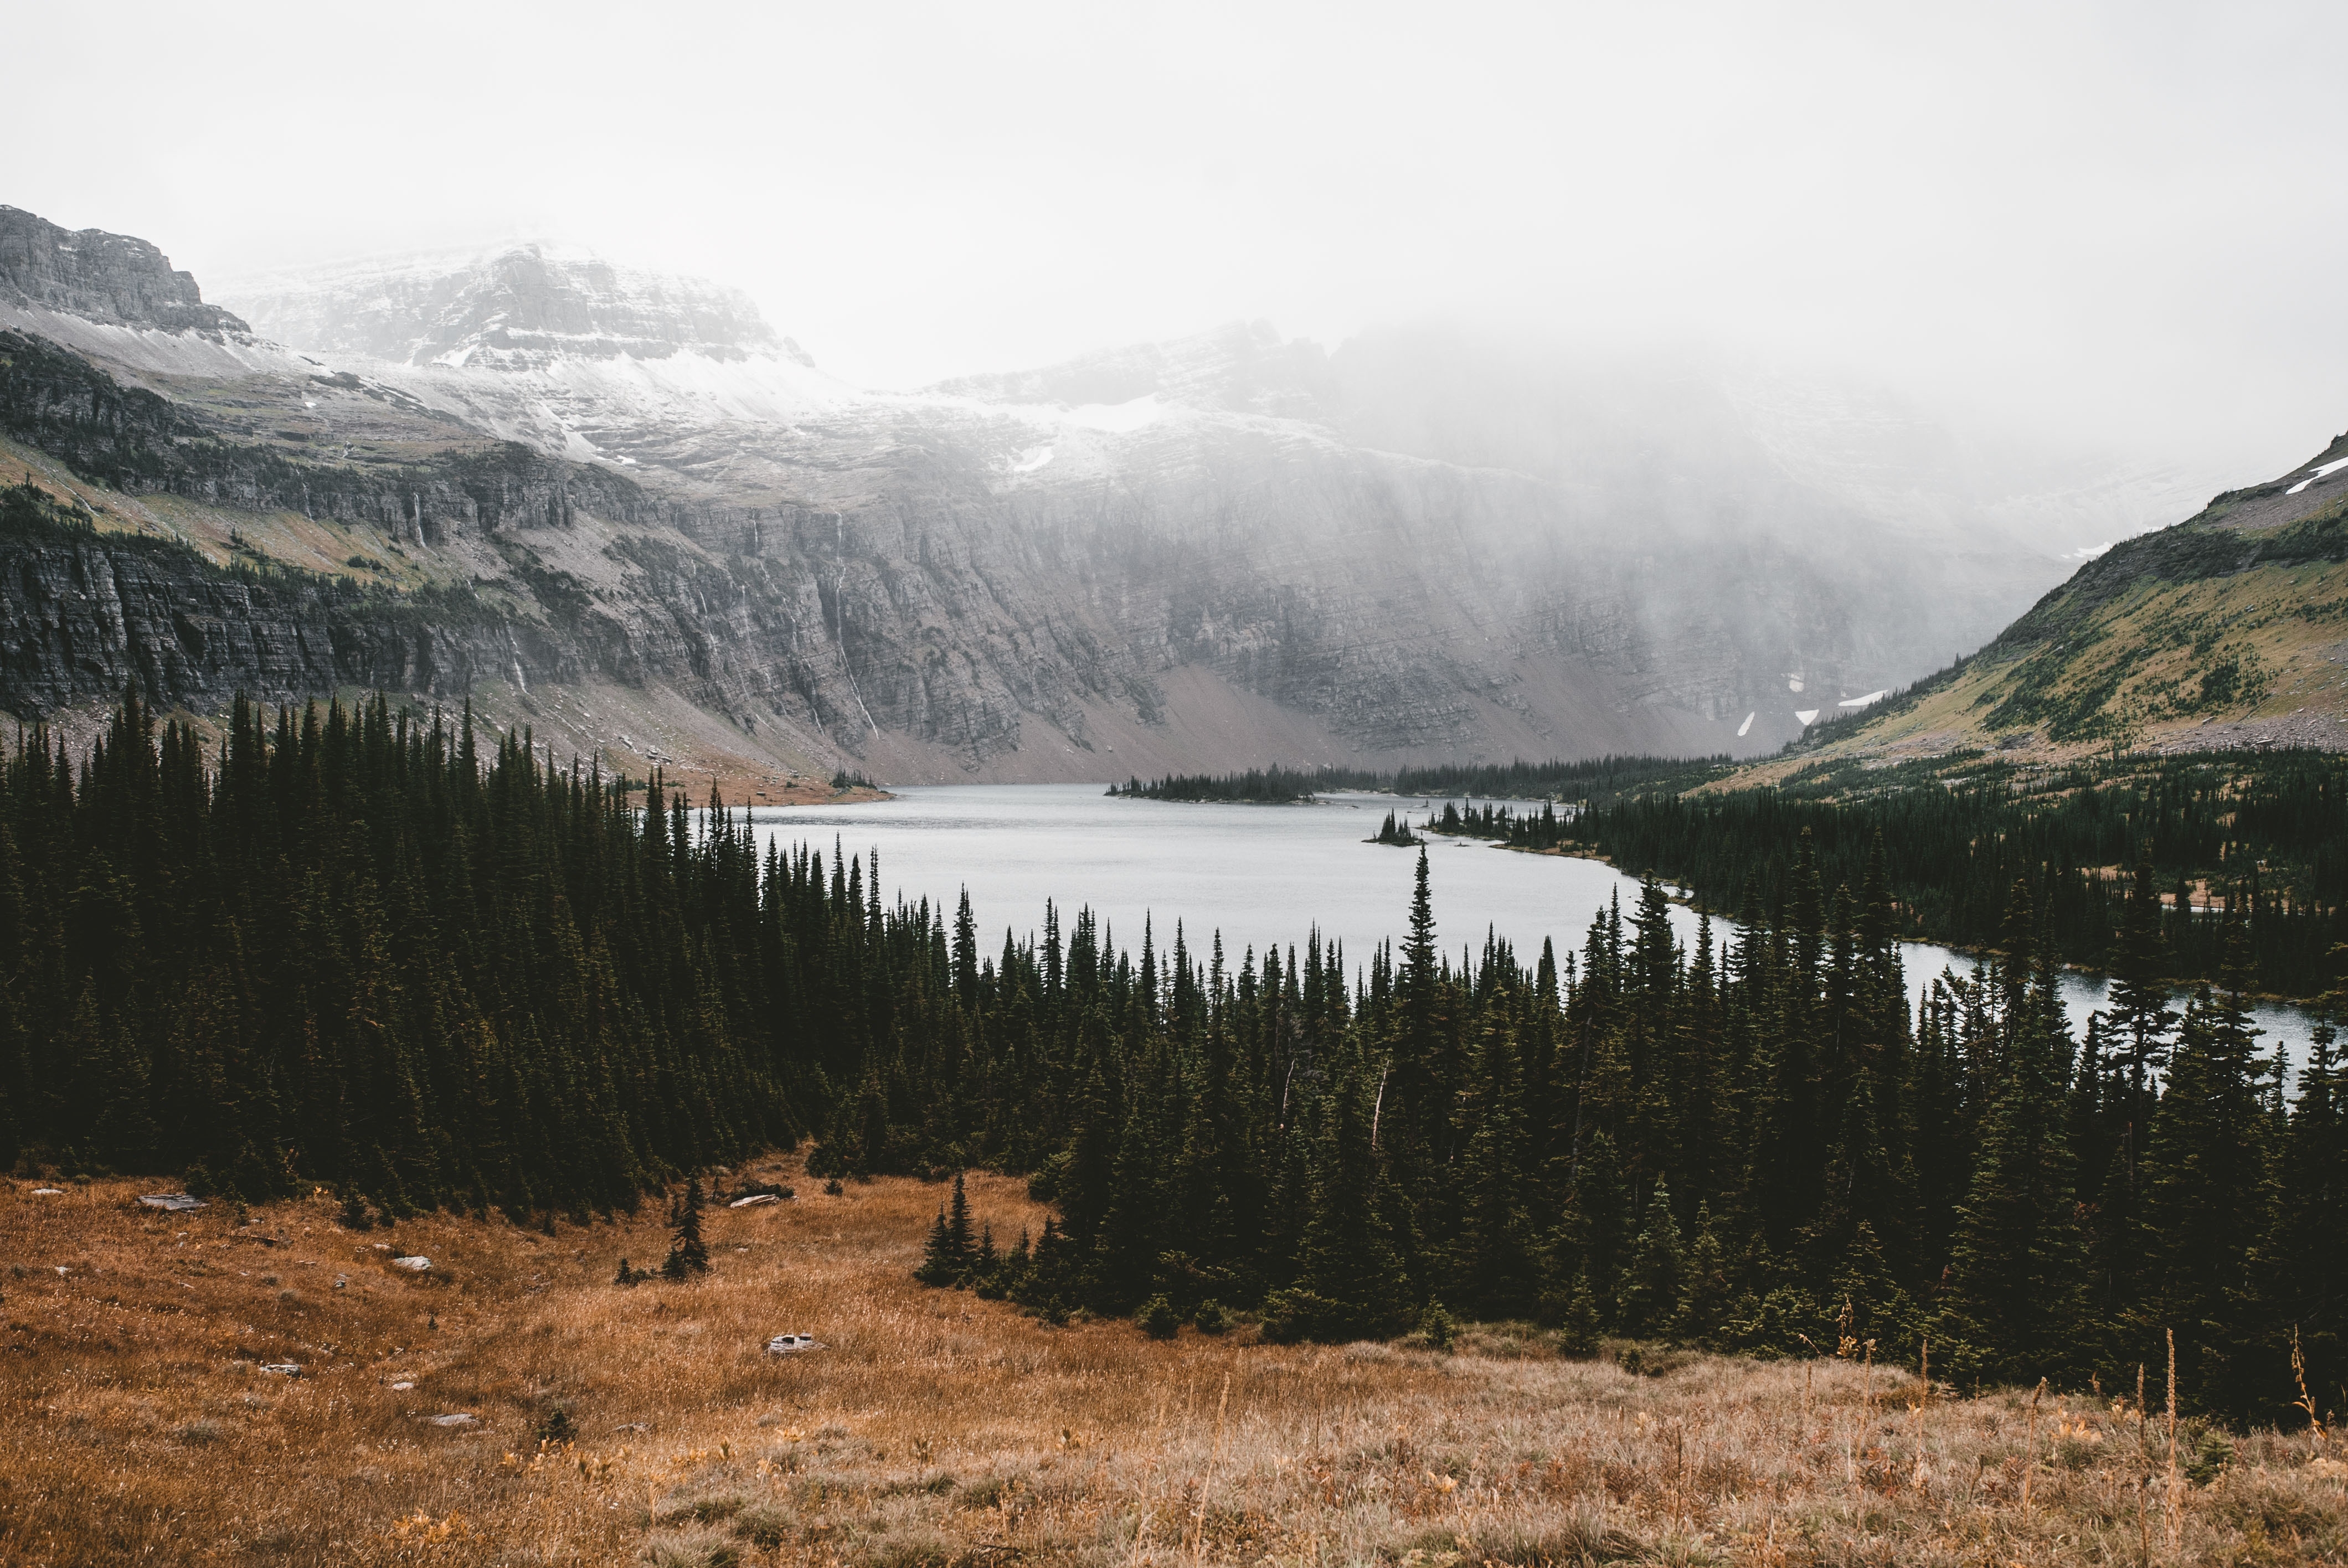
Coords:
1249,875
1976,954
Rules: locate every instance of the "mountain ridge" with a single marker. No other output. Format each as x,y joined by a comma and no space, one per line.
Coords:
2228,629
1147,549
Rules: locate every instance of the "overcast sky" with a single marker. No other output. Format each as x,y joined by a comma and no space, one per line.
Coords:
2128,218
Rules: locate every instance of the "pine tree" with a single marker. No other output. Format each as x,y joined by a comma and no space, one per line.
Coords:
2143,1020
1489,1252
958,1224
1653,1287
2013,1306
2208,1200
1705,1282
1590,1248
1350,1281
2309,1277
687,1254
940,1266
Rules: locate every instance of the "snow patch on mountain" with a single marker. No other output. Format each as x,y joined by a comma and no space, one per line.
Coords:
2324,471
156,352
546,345
1117,418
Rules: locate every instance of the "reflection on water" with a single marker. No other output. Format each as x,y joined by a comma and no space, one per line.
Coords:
1259,875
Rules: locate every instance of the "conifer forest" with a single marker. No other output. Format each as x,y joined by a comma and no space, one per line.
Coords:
368,950
2262,834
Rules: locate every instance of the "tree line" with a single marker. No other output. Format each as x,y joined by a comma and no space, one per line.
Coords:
1596,780
362,949
1257,786
2263,834
358,948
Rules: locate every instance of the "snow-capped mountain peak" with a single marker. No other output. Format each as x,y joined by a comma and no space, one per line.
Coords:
516,307
547,342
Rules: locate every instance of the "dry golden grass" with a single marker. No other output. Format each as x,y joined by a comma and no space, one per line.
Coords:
937,1429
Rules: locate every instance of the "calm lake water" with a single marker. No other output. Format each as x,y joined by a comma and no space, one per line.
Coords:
1258,875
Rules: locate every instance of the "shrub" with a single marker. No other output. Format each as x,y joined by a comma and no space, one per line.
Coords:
692,1549
1290,1315
1438,1325
763,1526
2212,1455
1158,1319
1210,1317
922,1550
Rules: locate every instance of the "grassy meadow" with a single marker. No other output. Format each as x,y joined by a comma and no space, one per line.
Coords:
645,1425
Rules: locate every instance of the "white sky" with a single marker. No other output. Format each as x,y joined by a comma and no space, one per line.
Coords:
2100,218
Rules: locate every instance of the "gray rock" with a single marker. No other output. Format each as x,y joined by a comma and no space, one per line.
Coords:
455,1419
754,1201
792,1344
112,279
175,1202
413,1264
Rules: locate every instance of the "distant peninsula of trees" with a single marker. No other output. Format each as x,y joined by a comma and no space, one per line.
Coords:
1599,779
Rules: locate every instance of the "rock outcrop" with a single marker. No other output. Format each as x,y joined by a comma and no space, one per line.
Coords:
83,614
111,279
139,442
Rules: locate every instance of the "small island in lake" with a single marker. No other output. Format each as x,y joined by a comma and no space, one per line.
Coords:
1257,786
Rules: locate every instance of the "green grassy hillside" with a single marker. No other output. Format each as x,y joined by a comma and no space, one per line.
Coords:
2229,629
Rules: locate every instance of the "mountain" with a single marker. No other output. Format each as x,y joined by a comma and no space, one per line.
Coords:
622,508
105,279
2230,629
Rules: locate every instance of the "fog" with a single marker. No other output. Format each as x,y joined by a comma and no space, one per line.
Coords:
2113,226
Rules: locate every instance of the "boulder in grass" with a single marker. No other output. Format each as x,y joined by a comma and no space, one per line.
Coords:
413,1264
48,1192
282,1369
792,1344
754,1200
172,1203
454,1420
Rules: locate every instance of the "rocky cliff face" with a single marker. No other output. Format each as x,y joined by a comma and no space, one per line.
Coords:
111,279
84,613
137,441
594,484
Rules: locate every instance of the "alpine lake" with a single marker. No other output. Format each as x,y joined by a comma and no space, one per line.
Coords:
1264,875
